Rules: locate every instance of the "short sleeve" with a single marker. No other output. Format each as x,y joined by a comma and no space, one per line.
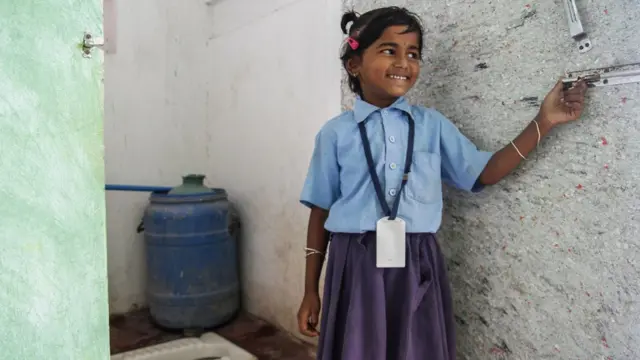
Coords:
462,162
322,184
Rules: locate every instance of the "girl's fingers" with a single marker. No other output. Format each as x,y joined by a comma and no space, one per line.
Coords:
313,322
577,106
573,98
577,88
579,85
304,325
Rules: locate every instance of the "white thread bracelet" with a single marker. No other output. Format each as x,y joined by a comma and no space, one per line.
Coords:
310,251
519,153
537,128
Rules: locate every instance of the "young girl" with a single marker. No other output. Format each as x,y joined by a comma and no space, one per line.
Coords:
374,185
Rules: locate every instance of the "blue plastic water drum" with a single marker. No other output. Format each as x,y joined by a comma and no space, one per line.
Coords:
192,260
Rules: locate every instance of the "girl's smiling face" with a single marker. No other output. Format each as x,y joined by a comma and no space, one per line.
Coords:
389,67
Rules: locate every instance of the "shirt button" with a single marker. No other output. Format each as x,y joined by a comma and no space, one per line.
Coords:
392,166
392,139
392,192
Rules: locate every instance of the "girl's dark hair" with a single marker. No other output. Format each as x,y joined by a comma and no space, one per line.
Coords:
368,27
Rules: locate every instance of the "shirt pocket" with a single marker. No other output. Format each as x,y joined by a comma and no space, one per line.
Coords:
425,183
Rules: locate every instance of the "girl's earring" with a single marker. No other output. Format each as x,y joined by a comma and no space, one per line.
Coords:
355,75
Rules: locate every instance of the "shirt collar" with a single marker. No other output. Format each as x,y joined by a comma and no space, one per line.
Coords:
363,109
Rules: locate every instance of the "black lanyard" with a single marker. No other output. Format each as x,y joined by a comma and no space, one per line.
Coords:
391,213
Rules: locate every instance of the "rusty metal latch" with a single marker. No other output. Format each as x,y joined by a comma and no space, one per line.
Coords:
612,75
89,42
576,30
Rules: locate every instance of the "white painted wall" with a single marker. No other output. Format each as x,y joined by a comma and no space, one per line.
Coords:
233,89
276,81
154,115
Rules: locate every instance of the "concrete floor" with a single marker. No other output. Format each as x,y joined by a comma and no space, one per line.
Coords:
134,331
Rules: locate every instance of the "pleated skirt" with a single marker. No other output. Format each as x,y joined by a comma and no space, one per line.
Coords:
371,313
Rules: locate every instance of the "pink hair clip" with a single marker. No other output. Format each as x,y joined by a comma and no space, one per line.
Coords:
353,43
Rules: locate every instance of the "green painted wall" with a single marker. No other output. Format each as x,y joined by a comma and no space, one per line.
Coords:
53,271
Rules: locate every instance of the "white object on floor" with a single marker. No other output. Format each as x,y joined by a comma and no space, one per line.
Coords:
209,346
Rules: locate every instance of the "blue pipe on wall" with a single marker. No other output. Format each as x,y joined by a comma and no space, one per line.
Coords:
139,188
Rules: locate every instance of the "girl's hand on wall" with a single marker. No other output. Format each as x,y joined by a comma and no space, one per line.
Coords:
308,315
561,106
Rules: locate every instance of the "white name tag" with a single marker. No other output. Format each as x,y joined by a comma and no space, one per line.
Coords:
391,240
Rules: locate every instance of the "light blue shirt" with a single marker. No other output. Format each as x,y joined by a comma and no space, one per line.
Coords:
338,179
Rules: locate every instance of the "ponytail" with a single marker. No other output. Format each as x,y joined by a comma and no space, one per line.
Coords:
348,17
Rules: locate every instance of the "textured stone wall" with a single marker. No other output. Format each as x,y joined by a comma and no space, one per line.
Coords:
545,264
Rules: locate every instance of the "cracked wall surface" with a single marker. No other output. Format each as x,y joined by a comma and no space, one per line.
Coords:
545,264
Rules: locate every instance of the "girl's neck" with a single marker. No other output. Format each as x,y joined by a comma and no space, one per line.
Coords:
378,101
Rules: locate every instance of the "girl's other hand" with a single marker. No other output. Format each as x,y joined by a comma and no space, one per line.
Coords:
308,315
561,106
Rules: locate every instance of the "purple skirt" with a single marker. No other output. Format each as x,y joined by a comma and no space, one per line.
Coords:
386,314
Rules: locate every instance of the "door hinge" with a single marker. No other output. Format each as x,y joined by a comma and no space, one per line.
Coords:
612,75
89,42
